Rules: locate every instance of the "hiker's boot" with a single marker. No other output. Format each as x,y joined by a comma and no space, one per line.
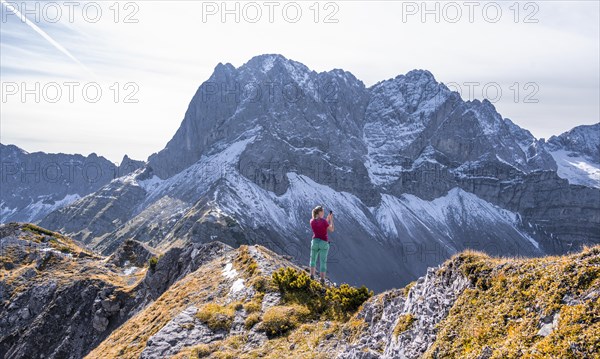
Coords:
312,277
323,281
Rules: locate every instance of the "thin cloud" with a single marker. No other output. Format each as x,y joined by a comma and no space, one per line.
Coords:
48,38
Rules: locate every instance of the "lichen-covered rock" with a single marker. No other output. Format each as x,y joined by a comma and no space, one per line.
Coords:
176,264
184,330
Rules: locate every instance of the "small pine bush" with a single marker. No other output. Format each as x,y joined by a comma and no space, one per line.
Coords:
336,303
152,263
346,300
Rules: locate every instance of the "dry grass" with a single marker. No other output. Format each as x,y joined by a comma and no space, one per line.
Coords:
403,324
279,320
252,320
509,297
216,316
129,340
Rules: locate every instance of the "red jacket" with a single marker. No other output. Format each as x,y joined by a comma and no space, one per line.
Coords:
319,227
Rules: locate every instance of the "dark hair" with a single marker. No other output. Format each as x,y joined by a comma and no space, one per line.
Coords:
315,211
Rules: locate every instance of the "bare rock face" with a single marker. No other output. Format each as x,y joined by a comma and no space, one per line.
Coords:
182,331
176,264
415,315
73,299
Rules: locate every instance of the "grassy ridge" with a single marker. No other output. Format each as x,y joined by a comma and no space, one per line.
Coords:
511,299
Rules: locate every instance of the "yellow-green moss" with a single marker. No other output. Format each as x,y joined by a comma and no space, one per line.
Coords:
408,287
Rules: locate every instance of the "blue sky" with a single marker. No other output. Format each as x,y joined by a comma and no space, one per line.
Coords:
159,52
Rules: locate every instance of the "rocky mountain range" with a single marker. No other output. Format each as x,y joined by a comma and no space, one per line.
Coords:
209,300
35,184
413,173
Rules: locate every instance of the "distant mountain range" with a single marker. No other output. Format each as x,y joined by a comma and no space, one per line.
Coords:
35,184
412,172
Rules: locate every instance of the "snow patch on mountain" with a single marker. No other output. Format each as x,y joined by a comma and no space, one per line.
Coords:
150,183
268,63
5,212
237,286
577,169
36,209
196,179
409,214
380,172
254,206
304,190
229,272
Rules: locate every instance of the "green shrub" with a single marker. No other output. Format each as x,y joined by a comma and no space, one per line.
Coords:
337,303
346,300
152,263
279,320
297,287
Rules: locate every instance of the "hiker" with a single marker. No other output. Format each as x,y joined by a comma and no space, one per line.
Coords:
320,244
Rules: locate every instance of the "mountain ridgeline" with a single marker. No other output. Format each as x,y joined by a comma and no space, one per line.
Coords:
413,173
209,300
35,184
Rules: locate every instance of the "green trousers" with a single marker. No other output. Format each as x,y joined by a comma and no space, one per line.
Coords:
319,248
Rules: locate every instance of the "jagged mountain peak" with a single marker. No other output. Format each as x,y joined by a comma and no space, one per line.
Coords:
277,68
584,139
418,75
266,62
13,148
415,76
222,71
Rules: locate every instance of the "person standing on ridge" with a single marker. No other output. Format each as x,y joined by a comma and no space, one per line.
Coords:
320,244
